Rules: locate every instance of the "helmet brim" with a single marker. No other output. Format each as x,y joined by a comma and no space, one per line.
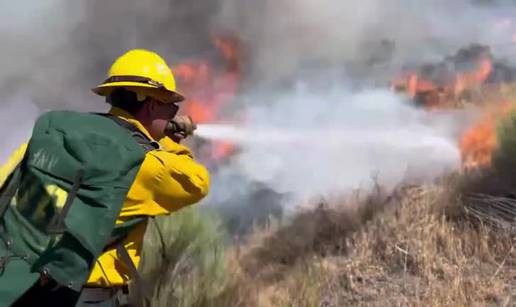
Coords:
161,94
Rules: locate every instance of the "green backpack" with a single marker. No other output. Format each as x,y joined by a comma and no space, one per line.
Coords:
60,205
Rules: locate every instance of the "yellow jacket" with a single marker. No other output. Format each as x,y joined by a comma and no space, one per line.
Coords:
168,180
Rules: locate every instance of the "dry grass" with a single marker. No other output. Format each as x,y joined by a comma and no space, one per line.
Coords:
413,248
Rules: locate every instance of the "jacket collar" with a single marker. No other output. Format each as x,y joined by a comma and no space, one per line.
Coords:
128,117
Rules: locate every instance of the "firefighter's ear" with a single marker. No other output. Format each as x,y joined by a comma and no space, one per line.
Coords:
151,106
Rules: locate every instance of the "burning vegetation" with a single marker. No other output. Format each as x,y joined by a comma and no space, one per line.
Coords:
470,77
432,245
480,141
211,84
437,244
456,80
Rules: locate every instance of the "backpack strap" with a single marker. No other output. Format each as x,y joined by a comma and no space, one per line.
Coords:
146,143
144,291
117,242
57,225
9,190
120,233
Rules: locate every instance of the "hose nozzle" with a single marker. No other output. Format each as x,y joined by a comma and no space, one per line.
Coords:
180,127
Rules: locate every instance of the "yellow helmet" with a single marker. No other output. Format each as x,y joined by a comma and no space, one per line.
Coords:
143,72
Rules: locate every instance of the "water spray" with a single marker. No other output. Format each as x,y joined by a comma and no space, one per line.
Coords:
323,137
242,135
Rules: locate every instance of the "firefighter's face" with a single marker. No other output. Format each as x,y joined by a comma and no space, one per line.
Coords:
159,114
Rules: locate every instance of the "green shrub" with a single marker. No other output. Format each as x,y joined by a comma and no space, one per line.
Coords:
183,258
504,158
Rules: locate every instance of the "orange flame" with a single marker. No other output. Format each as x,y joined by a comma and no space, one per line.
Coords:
473,78
209,87
480,141
433,85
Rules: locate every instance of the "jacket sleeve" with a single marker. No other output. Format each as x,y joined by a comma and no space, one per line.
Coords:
168,180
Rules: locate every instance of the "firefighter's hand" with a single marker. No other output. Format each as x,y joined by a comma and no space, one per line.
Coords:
180,127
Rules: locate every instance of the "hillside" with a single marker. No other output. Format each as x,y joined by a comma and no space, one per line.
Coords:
414,247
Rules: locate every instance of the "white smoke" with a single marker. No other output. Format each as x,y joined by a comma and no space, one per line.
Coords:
312,143
284,35
16,119
53,51
36,65
336,132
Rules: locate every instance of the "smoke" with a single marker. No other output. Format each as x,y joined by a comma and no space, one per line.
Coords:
284,36
310,144
341,128
53,51
25,29
16,120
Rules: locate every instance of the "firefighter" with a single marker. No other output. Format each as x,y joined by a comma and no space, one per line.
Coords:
142,92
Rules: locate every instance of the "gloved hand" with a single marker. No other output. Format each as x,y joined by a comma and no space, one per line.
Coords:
180,127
